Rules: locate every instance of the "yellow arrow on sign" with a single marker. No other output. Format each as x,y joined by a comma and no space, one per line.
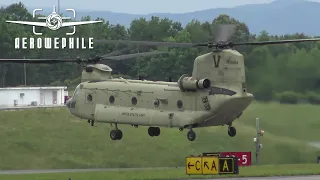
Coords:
210,165
193,165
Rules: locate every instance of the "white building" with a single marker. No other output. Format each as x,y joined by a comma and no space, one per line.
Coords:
35,96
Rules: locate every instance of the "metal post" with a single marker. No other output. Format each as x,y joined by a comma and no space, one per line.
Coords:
25,73
257,141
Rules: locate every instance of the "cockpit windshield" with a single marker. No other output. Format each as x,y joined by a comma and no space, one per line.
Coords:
76,91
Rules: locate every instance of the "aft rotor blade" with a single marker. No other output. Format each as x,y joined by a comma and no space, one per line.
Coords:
147,43
276,42
223,32
115,53
134,55
36,61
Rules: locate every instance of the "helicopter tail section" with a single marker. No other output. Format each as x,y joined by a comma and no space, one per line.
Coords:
227,110
224,68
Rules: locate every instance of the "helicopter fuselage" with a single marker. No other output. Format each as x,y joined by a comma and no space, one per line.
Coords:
162,104
215,94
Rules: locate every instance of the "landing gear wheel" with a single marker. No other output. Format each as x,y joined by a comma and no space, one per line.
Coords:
113,134
119,134
150,131
154,131
232,131
116,134
191,135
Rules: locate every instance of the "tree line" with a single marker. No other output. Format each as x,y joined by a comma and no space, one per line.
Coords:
288,72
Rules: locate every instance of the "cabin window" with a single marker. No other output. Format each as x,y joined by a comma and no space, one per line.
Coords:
179,104
156,103
111,99
134,101
89,98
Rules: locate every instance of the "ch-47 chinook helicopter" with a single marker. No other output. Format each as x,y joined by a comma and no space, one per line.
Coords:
214,94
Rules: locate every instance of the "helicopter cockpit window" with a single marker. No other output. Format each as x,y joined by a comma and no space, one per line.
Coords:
76,91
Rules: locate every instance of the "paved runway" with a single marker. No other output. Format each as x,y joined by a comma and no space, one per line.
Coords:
273,178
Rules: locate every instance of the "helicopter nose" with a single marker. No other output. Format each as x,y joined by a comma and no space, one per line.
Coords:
68,103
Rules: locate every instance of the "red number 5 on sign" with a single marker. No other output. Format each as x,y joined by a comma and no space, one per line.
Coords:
244,158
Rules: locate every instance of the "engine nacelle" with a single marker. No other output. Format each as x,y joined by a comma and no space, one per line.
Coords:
189,83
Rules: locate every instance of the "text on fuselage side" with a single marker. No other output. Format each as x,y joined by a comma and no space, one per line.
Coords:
232,61
133,114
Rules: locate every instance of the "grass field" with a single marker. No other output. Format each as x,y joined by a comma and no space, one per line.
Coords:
179,173
52,138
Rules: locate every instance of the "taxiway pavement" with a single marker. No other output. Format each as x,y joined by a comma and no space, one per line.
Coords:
273,178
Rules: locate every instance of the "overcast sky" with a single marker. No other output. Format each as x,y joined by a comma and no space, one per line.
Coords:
140,6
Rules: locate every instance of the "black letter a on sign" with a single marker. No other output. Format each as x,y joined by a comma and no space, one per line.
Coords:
216,60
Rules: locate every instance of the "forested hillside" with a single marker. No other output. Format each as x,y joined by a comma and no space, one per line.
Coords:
276,17
270,69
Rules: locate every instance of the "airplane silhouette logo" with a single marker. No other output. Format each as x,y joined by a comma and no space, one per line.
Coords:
54,21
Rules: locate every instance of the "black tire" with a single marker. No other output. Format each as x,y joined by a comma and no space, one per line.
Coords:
156,131
113,134
232,131
151,131
119,134
191,135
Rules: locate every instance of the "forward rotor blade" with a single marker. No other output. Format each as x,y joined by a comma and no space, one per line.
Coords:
36,61
134,55
276,42
147,43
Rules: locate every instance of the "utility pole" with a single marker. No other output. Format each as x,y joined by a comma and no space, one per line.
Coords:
138,61
256,140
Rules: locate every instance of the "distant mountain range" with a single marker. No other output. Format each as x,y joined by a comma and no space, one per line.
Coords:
279,17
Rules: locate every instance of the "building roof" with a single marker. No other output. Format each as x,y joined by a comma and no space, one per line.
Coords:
34,88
